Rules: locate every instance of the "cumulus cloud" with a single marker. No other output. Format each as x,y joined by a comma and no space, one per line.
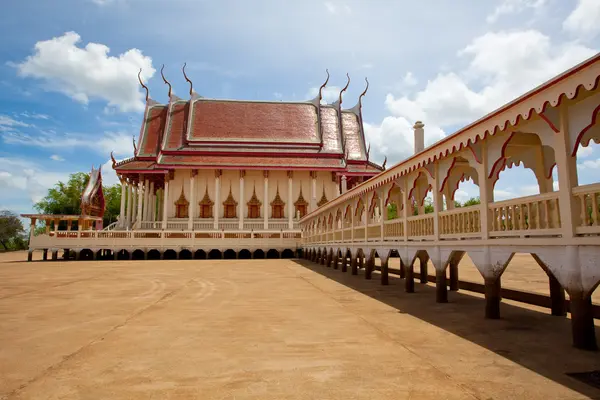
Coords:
119,142
56,157
29,177
513,7
583,20
486,83
88,73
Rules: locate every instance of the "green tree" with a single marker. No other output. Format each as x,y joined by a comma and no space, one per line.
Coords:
11,230
65,198
392,211
471,202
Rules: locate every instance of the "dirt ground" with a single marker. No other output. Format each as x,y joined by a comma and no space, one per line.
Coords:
270,329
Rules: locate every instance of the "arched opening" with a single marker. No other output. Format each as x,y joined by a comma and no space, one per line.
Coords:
420,196
138,254
214,254
229,254
272,253
244,254
170,254
259,253
154,254
287,253
300,253
86,254
200,255
122,255
185,254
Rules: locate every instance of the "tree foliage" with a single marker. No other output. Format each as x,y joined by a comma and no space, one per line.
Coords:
11,231
428,204
65,198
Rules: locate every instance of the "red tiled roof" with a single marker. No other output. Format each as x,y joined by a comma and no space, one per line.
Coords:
237,121
216,161
134,165
177,127
152,131
332,140
354,137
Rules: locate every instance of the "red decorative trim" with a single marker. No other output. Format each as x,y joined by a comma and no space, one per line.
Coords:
584,130
550,124
502,157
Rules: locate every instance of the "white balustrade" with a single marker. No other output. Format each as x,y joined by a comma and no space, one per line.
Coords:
525,216
587,199
420,227
461,222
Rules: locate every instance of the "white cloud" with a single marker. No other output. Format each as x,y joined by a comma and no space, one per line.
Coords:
89,73
9,123
56,157
28,177
119,142
335,8
34,115
583,21
486,83
109,176
513,7
409,79
590,164
583,152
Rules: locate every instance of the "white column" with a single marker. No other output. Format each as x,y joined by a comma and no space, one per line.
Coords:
192,208
150,205
134,205
122,216
217,210
145,200
486,192
165,211
567,177
159,194
313,191
266,201
241,201
344,184
383,211
129,221
290,201
140,203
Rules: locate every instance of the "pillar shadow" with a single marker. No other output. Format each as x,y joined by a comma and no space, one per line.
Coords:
533,339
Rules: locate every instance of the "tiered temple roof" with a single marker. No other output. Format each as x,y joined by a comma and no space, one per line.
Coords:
232,134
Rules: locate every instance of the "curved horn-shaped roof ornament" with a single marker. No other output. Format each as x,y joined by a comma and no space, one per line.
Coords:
165,80
363,93
188,79
344,89
384,162
114,162
144,86
134,146
323,86
368,152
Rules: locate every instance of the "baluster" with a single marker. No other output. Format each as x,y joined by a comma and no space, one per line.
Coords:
594,200
512,218
547,221
538,216
528,216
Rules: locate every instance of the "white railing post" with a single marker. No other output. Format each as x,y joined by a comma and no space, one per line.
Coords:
567,176
486,192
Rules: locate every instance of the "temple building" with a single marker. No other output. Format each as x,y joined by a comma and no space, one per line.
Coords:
228,165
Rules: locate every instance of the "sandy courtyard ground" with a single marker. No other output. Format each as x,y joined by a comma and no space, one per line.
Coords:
267,329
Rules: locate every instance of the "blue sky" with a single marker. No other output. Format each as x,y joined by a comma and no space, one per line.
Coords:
69,93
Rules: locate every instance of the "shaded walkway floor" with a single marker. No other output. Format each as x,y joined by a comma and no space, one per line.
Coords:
265,329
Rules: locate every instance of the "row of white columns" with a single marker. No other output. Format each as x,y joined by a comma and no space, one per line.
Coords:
142,202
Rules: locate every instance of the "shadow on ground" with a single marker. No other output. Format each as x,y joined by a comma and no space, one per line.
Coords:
525,335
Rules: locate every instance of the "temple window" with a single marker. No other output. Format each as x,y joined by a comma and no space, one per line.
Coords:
230,206
300,206
206,206
181,206
277,206
254,206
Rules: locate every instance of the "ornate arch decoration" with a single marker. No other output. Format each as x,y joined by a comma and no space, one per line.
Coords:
254,205
420,186
395,188
359,208
373,203
521,147
301,205
580,130
206,205
230,206
182,206
277,206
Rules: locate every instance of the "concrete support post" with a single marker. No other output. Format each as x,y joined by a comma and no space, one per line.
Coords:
409,284
354,264
115,255
369,266
453,267
336,261
493,288
30,255
441,286
557,297
45,255
344,262
384,271
582,321
423,268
